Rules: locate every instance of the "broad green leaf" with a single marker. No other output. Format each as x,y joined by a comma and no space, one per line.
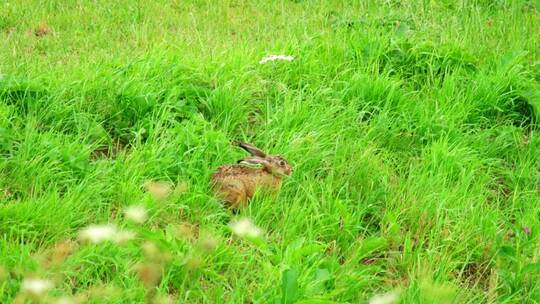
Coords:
289,286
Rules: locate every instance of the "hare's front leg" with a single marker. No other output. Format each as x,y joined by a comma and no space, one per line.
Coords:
233,192
236,197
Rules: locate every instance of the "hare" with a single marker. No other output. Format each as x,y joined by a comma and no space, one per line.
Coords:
236,183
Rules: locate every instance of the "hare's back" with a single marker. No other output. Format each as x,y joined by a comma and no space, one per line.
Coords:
249,178
228,171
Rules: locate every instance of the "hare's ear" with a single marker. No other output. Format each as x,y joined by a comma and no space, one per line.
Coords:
254,161
251,149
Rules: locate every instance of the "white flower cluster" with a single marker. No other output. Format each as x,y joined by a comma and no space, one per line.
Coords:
136,213
108,232
276,57
36,287
244,227
386,298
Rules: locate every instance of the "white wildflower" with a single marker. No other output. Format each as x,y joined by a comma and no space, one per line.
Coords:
108,232
276,57
136,213
36,287
98,233
244,227
66,300
123,236
386,298
158,189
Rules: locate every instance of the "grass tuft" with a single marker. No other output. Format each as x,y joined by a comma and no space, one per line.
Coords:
412,127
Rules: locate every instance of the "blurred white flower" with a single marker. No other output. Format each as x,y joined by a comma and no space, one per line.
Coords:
136,214
158,189
36,287
244,227
108,232
276,57
123,236
66,300
98,233
386,298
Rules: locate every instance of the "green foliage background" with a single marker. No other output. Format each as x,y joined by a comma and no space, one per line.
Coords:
412,127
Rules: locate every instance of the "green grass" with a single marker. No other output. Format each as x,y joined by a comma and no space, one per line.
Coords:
412,127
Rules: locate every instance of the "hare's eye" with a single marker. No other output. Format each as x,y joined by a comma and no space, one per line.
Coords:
282,163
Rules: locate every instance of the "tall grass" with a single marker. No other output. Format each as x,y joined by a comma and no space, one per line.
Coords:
412,127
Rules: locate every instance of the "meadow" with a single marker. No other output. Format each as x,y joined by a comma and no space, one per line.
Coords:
412,127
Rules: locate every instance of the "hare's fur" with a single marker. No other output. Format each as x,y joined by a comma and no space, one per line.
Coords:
237,183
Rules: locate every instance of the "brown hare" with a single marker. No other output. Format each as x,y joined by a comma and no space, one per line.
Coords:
236,183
